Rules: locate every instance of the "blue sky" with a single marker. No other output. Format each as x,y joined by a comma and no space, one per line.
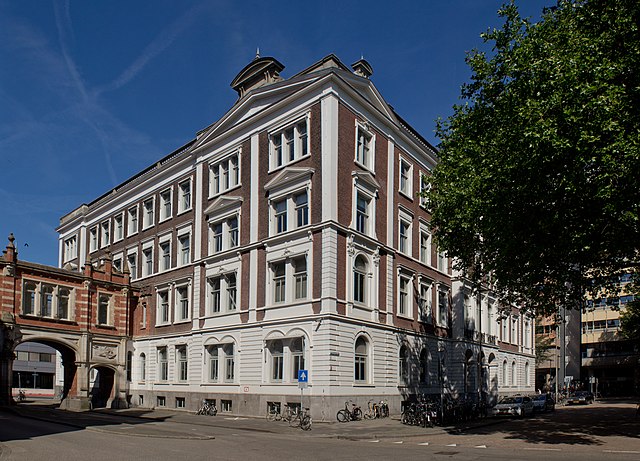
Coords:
91,92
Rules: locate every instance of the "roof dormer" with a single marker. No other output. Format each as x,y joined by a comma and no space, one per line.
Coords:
259,72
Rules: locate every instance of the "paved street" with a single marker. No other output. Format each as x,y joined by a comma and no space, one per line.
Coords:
600,431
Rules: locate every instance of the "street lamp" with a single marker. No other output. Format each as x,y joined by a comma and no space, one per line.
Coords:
441,356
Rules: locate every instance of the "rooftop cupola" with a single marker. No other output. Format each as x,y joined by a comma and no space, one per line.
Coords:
362,68
259,72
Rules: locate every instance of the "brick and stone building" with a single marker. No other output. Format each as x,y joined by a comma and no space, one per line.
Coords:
290,235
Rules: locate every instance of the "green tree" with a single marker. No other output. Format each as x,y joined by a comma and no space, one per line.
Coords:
630,322
544,346
537,182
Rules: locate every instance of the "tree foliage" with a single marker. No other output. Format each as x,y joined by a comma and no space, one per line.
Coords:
538,176
630,322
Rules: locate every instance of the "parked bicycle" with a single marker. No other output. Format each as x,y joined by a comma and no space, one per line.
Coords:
373,410
207,408
21,396
301,419
289,412
349,414
383,409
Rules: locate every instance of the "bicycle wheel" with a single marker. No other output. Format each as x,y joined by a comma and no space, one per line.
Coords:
305,423
357,414
343,416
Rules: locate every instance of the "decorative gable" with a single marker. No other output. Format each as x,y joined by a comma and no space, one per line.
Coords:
223,204
287,178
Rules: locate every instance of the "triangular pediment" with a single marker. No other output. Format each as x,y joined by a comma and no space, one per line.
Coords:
288,177
222,204
365,177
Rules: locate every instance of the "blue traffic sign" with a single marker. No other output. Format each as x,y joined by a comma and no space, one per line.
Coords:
303,376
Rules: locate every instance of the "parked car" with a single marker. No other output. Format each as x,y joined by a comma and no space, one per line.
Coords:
513,406
585,397
543,403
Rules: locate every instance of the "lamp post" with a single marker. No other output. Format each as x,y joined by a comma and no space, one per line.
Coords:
441,356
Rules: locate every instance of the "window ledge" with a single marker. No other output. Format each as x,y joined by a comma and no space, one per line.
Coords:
406,195
362,165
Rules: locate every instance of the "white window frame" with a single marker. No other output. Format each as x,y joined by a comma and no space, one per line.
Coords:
362,377
425,287
179,300
166,204
405,181
405,240
290,211
133,269
71,248
162,353
185,192
367,132
118,227
110,306
183,234
299,143
226,232
133,222
182,363
365,186
161,307
425,187
405,297
93,239
223,167
443,310
147,248
105,233
164,257
226,287
425,251
149,213
290,278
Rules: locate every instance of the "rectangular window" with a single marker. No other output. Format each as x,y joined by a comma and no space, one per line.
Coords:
46,301
425,302
403,296
300,276
229,363
223,175
442,261
280,210
404,237
214,364
104,234
149,218
231,291
289,144
70,248
132,221
163,364
362,213
118,228
217,237
279,282
147,269
223,293
425,188
184,199
133,265
406,180
181,353
161,401
443,308
93,239
302,209
224,234
425,247
180,402
232,225
29,301
103,309
183,303
64,296
163,307
165,256
165,205
226,406
185,249
364,141
214,295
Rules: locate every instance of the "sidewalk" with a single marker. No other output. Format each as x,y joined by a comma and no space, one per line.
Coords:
136,422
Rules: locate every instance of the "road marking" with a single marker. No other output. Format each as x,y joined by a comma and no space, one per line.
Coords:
452,445
621,451
399,442
480,446
543,449
373,441
424,443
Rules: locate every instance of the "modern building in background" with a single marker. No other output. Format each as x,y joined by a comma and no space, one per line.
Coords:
290,235
34,369
610,363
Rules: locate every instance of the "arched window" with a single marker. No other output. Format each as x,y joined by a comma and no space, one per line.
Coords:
213,364
504,373
143,367
229,363
403,365
360,270
361,360
277,360
29,302
513,373
424,366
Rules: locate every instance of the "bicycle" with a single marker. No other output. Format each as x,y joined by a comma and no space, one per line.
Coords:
373,410
383,409
301,419
289,413
355,414
207,408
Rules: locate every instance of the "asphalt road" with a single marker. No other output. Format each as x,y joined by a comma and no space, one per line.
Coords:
595,432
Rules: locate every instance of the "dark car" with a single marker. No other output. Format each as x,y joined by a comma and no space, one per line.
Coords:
543,403
584,397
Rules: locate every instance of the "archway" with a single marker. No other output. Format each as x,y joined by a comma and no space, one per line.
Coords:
102,380
35,369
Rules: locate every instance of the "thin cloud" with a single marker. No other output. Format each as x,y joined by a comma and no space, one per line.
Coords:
157,46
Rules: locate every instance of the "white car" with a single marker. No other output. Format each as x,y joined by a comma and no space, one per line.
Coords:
513,406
